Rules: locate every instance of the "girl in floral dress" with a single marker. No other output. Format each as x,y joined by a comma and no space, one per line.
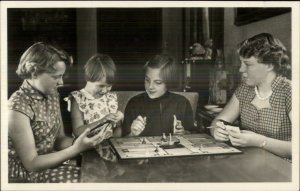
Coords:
37,145
95,104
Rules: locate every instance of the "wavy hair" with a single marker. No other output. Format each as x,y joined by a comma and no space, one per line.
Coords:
267,50
40,58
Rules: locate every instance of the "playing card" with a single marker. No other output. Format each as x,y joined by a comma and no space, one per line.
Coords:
221,124
232,128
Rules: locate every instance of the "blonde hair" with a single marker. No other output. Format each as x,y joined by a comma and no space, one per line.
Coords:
168,68
98,67
40,58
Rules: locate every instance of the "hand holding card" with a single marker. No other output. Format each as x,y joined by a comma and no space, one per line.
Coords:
228,126
232,128
100,127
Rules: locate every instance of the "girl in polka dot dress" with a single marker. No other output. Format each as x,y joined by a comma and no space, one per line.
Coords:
95,104
37,144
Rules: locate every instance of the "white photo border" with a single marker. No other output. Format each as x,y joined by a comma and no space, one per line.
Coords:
294,185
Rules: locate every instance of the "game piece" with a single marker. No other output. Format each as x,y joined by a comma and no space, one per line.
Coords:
156,148
171,142
174,121
164,138
144,141
177,126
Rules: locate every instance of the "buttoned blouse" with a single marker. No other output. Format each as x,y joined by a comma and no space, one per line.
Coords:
44,115
43,112
273,122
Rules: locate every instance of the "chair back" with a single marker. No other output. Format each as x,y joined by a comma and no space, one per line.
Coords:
193,98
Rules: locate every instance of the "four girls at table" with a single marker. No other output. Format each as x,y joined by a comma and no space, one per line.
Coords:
38,146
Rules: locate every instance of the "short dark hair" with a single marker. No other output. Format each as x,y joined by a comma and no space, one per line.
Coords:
99,66
40,58
268,50
168,68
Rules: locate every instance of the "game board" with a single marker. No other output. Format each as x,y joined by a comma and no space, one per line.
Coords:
180,145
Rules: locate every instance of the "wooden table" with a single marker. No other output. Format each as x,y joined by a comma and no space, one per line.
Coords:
253,165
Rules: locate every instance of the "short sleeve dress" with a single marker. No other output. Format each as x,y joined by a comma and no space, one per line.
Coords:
272,122
94,109
44,114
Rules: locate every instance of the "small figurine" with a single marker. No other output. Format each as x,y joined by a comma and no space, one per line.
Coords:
178,129
197,51
171,142
164,138
156,148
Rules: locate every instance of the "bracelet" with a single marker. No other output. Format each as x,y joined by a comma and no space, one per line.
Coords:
264,143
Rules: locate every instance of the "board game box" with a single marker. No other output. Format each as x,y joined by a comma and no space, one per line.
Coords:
169,146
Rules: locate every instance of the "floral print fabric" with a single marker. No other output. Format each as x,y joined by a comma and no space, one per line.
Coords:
94,109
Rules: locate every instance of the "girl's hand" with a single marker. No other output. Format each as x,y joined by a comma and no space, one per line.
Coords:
138,125
119,116
114,117
246,139
220,133
83,142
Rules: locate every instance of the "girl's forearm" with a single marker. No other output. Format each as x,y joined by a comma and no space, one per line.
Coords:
43,162
278,147
63,142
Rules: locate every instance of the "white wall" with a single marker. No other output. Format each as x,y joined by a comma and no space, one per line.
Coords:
279,26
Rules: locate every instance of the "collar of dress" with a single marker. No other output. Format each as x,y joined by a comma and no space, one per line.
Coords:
32,92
